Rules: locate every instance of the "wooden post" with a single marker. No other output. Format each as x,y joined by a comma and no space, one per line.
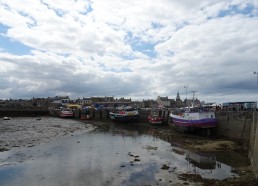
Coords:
107,114
168,123
93,114
100,114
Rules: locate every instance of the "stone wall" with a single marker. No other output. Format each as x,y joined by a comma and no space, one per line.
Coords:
23,113
253,150
242,126
234,125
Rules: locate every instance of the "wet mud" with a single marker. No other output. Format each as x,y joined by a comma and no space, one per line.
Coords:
53,151
31,131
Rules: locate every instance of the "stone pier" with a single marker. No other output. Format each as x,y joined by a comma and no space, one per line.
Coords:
253,152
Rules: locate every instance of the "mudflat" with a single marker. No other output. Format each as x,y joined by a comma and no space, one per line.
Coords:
27,132
30,131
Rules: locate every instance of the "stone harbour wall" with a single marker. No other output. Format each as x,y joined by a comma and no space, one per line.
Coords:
243,126
23,112
253,150
234,125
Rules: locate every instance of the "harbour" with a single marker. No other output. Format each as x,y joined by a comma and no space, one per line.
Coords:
102,152
128,93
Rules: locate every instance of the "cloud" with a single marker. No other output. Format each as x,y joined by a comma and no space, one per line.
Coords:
129,49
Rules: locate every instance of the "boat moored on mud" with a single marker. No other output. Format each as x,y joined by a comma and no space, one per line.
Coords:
193,119
154,117
6,118
126,113
66,113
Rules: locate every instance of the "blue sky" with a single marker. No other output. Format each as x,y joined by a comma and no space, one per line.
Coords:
14,47
129,49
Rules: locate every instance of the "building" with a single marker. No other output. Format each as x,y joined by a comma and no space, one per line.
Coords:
60,101
164,101
84,101
109,102
240,106
150,103
179,102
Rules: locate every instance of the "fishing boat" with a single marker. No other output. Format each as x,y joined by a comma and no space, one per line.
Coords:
7,118
66,113
126,113
154,117
193,118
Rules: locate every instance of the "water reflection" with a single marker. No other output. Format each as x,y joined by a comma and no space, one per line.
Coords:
202,160
123,133
122,156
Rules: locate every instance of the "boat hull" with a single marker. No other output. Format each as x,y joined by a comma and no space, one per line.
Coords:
66,114
155,120
187,124
118,117
6,118
124,115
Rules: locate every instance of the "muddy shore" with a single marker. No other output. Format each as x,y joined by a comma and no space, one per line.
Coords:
16,134
31,131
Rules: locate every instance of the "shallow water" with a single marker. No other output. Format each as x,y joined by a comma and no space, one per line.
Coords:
120,156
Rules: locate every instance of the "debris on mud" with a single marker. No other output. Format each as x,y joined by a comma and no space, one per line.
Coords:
3,149
246,179
150,147
208,145
135,160
165,167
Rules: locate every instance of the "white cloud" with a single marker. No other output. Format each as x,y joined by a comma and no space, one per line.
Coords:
85,48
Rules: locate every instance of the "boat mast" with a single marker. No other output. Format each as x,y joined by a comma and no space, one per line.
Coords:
257,76
193,91
186,96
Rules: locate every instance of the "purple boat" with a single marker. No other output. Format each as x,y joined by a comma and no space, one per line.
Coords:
191,120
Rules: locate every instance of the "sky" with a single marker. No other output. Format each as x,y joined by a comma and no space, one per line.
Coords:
133,49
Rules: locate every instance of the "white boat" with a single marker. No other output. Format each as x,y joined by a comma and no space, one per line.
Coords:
194,118
6,118
66,113
124,114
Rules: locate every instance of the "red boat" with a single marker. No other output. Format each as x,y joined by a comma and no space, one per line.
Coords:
155,118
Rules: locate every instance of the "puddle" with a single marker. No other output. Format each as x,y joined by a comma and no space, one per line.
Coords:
120,156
